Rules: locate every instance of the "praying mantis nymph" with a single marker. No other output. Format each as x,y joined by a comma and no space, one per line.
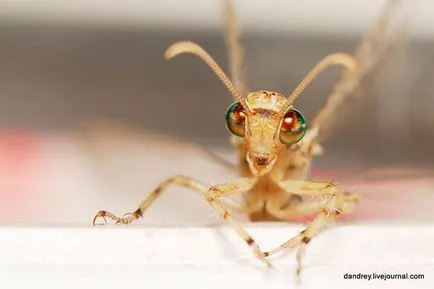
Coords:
275,145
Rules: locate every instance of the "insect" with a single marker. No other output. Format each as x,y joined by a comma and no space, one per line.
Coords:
275,145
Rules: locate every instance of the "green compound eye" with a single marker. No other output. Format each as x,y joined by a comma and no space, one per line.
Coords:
236,119
293,127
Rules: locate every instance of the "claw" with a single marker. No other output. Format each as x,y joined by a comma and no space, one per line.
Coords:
126,214
263,258
98,215
104,214
268,263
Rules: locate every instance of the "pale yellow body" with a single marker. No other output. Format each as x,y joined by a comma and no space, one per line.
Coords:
292,162
274,175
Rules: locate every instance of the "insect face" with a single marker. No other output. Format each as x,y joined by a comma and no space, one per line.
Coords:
264,128
266,120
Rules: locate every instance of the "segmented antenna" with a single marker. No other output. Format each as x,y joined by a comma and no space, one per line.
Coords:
235,47
193,48
343,59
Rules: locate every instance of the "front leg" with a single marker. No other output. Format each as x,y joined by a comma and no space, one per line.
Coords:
128,218
211,194
333,202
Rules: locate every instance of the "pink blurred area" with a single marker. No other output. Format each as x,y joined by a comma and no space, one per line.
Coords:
43,177
22,169
389,193
66,178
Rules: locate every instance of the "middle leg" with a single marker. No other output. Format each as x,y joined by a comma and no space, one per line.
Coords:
332,203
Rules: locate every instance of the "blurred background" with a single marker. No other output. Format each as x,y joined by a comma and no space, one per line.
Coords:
92,116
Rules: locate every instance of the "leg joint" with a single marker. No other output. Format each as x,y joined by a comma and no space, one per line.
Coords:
138,213
306,239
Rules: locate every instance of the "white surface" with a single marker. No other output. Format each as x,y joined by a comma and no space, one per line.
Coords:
331,16
146,257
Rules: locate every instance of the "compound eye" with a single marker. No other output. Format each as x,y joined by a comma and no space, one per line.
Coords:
236,119
293,127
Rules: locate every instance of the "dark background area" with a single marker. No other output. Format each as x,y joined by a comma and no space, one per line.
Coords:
54,79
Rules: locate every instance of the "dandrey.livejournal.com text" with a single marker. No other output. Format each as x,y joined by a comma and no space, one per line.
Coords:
383,276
